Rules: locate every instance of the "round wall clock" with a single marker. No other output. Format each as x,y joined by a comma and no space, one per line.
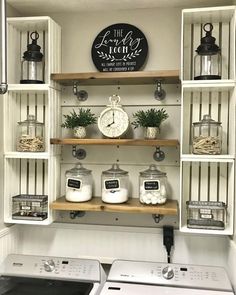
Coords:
113,121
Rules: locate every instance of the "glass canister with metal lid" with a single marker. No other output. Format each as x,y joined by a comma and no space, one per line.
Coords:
152,186
30,135
207,137
115,185
78,184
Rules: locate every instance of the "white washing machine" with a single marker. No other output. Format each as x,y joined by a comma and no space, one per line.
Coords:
39,275
147,278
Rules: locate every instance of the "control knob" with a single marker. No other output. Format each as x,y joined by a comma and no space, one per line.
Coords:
49,265
168,272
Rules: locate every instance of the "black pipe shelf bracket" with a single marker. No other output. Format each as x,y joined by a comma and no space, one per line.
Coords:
78,153
158,155
159,93
157,217
77,214
82,95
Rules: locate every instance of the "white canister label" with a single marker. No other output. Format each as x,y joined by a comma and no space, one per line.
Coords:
151,185
74,183
112,184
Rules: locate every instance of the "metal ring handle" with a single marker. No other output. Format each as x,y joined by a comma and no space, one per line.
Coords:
210,27
114,99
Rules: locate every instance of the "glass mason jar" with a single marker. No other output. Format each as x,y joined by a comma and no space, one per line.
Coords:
115,185
78,184
206,136
152,186
30,137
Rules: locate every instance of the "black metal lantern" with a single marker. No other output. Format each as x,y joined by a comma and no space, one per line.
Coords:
207,62
32,65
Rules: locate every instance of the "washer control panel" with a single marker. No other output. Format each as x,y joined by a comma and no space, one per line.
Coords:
205,277
52,267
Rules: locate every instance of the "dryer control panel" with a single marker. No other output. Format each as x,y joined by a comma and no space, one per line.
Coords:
193,276
52,267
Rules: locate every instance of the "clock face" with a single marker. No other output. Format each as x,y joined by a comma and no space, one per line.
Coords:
113,122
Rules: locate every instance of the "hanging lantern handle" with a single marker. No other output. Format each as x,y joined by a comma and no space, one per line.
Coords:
209,26
36,36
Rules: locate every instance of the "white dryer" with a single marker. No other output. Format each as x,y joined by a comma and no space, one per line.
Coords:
150,278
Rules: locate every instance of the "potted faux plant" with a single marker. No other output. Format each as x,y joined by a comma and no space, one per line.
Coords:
78,121
150,120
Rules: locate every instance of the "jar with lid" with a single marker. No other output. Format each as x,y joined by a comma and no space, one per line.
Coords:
78,184
207,136
30,136
152,186
115,185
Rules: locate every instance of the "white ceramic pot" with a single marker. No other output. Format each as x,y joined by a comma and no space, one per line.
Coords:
151,132
80,132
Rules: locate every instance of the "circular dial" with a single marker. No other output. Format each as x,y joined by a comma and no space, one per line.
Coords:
168,272
113,122
49,265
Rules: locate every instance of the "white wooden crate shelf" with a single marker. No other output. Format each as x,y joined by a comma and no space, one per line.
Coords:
220,104
207,181
35,173
223,20
19,29
26,155
208,177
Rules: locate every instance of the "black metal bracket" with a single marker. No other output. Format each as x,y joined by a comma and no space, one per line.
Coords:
78,153
158,155
159,93
81,95
75,214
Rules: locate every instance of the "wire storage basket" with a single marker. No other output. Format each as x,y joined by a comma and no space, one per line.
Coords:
206,214
30,207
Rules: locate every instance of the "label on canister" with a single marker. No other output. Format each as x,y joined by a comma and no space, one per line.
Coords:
151,185
112,184
74,183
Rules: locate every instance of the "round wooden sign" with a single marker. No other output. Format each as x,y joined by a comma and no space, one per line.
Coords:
119,48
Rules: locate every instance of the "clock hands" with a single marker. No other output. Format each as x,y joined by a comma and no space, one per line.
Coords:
113,121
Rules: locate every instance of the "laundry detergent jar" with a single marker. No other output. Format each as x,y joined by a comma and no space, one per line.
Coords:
115,185
78,184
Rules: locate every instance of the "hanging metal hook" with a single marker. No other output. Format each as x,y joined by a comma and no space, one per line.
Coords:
159,93
82,95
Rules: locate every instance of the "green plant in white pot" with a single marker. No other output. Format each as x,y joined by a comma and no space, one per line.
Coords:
150,120
79,121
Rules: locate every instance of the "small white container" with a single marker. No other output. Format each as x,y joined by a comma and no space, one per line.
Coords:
152,186
115,185
78,184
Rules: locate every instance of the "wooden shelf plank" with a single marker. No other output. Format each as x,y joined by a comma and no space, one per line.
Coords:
132,206
108,141
121,78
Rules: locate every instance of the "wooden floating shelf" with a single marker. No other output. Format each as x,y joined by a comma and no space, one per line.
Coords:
132,206
120,78
108,141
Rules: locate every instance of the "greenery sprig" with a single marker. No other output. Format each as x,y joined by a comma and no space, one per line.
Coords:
149,118
83,118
